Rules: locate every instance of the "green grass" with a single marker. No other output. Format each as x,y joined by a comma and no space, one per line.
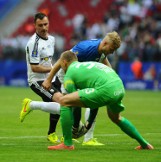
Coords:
26,142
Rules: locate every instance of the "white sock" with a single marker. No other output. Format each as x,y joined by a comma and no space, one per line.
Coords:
50,107
89,134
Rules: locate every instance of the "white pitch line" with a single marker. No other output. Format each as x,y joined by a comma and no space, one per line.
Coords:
96,135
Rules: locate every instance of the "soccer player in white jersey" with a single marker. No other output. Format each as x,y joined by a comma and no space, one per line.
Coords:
39,54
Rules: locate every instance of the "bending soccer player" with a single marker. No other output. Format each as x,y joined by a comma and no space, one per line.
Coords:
88,50
101,87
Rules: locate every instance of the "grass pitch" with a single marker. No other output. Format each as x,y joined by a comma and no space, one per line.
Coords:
26,142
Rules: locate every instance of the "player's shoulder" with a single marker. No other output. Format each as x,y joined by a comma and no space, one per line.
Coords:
89,42
95,40
32,39
51,38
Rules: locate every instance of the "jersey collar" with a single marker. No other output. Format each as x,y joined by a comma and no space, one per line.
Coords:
41,37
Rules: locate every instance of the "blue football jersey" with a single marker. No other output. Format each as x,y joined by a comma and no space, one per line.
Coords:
87,50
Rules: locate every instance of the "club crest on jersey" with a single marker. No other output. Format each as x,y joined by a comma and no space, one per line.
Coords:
34,53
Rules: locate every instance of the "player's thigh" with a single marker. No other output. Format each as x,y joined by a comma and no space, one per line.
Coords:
71,99
43,93
91,97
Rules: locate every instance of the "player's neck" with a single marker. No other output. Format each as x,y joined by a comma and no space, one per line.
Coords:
43,37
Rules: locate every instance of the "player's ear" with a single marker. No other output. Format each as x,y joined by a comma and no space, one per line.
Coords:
66,62
104,43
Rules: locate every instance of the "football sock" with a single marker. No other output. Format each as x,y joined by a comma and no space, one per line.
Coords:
127,127
91,116
53,120
76,116
66,119
51,107
89,134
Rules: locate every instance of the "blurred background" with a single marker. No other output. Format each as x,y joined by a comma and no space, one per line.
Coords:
138,22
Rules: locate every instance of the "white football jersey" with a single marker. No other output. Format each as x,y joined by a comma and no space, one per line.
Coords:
39,51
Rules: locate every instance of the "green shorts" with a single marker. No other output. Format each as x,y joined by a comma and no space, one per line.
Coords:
106,95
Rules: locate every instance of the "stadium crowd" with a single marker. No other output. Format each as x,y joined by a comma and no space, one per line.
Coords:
137,21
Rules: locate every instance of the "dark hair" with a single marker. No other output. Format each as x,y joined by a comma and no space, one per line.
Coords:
39,15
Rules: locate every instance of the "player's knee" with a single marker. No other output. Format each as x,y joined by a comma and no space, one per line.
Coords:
57,96
63,101
114,117
115,120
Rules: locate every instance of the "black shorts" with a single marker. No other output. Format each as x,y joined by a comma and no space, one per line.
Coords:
44,94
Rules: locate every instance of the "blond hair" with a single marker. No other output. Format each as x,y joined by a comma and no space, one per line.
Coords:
114,38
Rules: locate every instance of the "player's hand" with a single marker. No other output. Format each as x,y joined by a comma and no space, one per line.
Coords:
46,84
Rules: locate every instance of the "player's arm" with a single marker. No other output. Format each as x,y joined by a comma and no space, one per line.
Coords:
40,69
47,82
69,85
106,62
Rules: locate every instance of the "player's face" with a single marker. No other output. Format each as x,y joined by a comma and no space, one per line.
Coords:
108,48
42,27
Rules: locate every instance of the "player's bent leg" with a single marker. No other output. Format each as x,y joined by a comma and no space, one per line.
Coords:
71,99
25,109
76,116
51,107
56,97
90,116
66,119
128,128
52,137
78,128
66,122
89,140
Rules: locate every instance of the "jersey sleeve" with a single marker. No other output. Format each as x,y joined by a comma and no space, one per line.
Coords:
32,52
69,85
